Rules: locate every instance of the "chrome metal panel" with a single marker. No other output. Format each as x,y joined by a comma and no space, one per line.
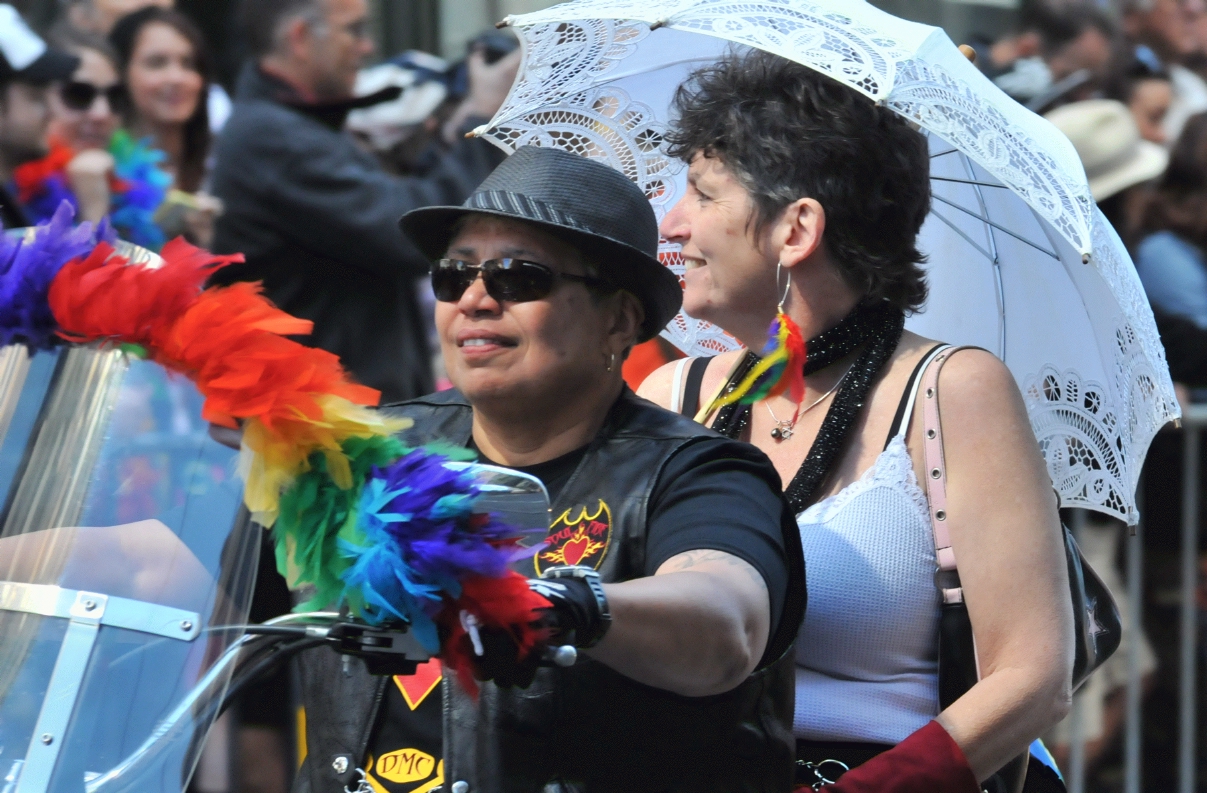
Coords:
87,610
64,453
14,366
215,679
134,615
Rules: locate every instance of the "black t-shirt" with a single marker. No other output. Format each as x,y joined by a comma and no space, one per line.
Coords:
721,495
407,748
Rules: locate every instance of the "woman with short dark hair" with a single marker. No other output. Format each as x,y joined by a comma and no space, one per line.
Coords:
803,205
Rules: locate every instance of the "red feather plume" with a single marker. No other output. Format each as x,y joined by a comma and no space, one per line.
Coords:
504,603
100,298
232,339
29,177
229,340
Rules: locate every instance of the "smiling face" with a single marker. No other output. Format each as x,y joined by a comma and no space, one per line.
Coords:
534,353
729,279
93,127
165,85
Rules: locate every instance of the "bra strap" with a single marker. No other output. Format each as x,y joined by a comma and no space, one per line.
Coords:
677,386
905,408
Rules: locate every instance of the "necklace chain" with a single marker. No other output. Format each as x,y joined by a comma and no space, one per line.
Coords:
784,428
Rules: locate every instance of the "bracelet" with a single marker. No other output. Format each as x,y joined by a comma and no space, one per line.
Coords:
593,582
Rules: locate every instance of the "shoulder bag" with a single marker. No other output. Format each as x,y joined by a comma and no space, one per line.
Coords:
1096,626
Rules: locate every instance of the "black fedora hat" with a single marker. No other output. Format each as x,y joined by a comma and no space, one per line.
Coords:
582,202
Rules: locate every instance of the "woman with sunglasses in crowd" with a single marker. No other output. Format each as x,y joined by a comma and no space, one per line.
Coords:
165,68
94,164
803,205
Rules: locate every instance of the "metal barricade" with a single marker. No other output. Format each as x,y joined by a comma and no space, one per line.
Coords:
1194,421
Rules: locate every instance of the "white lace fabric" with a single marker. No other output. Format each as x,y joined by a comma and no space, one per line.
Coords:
867,665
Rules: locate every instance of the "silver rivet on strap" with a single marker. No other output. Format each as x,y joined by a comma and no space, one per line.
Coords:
935,473
940,515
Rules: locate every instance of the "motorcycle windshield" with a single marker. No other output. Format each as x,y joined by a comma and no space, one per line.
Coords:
123,552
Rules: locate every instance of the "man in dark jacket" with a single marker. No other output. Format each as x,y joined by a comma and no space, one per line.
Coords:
314,214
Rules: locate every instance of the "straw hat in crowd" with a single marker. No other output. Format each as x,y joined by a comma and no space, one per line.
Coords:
1109,144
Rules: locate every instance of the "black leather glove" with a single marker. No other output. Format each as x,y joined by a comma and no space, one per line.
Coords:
579,617
580,614
499,660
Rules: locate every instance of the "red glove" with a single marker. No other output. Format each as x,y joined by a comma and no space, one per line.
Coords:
928,761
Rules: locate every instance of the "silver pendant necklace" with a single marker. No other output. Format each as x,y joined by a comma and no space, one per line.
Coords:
784,429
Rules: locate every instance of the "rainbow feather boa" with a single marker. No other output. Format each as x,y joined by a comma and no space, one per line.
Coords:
368,522
138,187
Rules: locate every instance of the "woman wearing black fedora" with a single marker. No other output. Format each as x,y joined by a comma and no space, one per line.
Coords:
673,563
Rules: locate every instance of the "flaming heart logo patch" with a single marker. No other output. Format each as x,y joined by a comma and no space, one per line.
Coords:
577,538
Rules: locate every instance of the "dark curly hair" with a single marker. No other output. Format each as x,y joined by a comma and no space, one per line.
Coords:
788,132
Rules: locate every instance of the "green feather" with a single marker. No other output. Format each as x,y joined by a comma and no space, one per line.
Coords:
315,512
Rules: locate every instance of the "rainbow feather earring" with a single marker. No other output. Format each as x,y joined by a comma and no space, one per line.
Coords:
782,367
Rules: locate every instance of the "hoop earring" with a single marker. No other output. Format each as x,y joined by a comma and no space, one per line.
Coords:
782,367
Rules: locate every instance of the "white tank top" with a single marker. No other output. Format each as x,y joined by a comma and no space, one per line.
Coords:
867,654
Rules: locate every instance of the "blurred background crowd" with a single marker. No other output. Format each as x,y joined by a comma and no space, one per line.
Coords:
299,131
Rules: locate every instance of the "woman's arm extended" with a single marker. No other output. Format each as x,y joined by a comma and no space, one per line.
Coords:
1007,539
697,627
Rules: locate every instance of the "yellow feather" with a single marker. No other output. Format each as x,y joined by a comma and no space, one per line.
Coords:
272,459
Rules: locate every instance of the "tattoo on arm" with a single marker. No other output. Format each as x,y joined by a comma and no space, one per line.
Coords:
693,560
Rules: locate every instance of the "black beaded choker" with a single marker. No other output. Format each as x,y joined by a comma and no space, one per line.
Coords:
875,326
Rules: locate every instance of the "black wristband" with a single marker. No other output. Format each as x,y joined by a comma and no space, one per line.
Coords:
578,601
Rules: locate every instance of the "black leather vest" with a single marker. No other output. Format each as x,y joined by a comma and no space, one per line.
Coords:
589,728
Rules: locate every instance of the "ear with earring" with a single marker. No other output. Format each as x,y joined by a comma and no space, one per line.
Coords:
782,367
610,362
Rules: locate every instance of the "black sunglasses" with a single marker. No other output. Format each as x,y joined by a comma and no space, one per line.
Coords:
506,280
80,96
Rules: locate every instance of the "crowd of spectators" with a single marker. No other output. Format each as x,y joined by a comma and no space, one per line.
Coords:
1129,89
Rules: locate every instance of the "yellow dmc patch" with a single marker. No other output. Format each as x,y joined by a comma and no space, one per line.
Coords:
405,765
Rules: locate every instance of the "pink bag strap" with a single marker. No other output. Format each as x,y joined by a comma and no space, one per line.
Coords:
936,469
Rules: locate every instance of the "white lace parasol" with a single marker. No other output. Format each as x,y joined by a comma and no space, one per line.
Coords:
1011,225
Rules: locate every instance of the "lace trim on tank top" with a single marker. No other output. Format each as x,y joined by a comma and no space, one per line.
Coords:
892,468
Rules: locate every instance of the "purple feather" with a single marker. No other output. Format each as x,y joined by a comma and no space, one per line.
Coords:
417,536
29,265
